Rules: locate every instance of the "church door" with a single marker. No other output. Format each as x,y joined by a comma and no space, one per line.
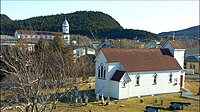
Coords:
181,81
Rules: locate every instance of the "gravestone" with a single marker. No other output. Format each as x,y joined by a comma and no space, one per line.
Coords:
141,100
102,99
76,100
71,98
84,95
161,102
108,100
97,97
155,101
76,92
81,101
86,100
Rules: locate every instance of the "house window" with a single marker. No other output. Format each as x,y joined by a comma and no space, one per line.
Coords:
155,79
170,77
137,80
192,66
101,72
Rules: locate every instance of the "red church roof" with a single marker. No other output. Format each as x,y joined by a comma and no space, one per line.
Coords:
31,32
139,60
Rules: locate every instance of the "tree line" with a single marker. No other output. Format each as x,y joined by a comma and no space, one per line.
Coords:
89,23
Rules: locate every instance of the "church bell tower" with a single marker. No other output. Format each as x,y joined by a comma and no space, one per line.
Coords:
65,31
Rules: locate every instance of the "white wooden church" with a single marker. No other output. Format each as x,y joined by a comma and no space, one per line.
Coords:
30,34
124,73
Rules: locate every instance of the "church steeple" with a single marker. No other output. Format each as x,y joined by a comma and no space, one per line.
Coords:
65,26
65,31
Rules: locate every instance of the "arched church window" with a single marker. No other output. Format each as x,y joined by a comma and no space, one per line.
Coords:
101,71
170,77
154,79
104,73
137,80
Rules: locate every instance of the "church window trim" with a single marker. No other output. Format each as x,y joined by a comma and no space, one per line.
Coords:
137,80
101,72
155,79
170,78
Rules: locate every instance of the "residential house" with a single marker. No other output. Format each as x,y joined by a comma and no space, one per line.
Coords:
81,51
192,64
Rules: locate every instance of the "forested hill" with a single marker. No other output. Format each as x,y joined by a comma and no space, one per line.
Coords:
192,32
90,23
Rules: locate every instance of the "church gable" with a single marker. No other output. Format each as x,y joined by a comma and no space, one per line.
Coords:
120,76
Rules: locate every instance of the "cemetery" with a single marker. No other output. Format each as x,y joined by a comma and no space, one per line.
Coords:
84,99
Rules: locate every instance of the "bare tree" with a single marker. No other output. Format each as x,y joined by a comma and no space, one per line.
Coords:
38,78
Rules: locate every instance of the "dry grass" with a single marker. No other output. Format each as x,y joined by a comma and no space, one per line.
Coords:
192,86
132,104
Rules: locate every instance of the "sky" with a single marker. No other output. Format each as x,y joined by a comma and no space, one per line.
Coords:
154,16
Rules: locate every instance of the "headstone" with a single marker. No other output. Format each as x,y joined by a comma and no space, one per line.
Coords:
86,100
76,92
156,101
71,98
161,102
76,100
81,101
102,99
108,100
97,97
141,100
84,95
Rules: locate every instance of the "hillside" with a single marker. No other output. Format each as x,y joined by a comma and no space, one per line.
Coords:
90,23
192,32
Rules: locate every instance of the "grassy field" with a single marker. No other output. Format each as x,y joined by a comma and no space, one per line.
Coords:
192,86
131,104
134,105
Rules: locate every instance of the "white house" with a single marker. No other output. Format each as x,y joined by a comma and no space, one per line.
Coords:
123,73
81,51
30,34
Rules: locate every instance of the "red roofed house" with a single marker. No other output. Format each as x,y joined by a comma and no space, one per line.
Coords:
122,73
